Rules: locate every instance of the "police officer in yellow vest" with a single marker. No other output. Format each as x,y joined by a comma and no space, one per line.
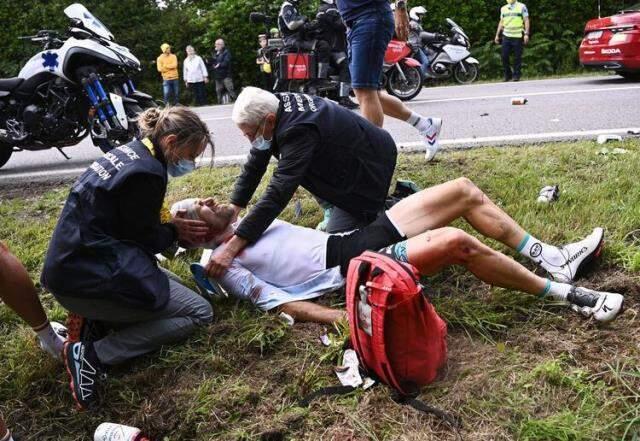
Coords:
514,30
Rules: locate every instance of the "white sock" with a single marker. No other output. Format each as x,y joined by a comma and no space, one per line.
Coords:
50,341
555,290
418,121
540,252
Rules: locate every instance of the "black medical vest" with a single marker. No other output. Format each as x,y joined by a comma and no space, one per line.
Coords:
84,258
353,164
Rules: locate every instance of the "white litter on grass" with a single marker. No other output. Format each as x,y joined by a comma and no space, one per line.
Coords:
325,340
548,194
349,372
617,151
603,139
287,318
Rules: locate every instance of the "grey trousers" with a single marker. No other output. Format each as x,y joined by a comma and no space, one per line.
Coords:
225,85
140,331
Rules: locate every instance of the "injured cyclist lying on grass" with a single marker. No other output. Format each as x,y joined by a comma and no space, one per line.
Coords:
289,265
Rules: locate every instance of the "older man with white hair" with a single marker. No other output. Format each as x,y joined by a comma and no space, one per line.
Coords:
332,152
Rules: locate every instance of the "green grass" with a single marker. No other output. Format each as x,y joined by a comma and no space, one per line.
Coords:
518,368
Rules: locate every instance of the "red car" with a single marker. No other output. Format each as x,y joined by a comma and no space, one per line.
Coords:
613,43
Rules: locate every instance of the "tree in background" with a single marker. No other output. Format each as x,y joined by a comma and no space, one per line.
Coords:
142,25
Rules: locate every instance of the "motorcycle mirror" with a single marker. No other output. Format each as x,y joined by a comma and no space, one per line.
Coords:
257,18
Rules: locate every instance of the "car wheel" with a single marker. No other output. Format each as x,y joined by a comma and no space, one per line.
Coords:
631,76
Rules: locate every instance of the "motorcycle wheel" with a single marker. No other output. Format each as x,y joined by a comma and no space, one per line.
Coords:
466,76
5,153
405,90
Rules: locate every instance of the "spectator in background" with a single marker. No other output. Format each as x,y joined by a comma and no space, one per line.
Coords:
167,64
221,65
195,76
262,60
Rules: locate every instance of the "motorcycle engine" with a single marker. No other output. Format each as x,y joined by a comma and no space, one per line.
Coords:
53,120
32,118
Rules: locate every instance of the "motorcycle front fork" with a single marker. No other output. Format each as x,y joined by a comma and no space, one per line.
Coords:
101,102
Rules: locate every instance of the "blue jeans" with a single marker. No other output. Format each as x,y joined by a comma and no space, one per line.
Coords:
368,36
424,61
171,89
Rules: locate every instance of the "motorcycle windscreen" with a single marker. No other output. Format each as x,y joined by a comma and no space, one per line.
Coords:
89,21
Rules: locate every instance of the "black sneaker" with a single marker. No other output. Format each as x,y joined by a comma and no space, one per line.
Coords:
602,306
84,370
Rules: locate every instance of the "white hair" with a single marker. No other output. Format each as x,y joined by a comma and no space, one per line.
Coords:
253,105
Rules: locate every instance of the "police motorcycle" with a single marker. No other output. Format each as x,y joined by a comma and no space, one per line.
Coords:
296,70
79,84
449,55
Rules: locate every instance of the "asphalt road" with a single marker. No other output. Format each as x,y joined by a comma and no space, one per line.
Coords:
479,114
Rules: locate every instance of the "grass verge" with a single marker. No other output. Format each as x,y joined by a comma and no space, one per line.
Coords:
518,368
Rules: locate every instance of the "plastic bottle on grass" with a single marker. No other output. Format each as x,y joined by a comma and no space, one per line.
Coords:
118,432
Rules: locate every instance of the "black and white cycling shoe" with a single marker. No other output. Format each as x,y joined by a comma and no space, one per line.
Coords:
577,256
602,306
84,371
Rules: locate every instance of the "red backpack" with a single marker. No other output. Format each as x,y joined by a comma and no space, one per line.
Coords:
396,332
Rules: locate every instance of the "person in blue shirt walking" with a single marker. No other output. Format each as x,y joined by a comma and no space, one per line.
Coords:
370,27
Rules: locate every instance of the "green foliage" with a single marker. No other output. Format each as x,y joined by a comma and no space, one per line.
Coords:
143,26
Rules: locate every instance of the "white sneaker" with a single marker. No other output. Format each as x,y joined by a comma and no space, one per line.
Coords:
431,138
602,306
61,331
577,256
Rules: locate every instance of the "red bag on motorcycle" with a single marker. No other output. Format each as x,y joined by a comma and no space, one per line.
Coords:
395,330
297,66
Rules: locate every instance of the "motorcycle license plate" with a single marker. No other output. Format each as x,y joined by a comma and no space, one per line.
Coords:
594,35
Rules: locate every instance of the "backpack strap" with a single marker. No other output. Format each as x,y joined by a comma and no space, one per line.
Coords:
325,391
452,420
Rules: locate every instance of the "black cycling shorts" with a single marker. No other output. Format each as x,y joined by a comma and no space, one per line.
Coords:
341,248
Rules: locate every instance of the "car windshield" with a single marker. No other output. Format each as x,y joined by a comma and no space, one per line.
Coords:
634,8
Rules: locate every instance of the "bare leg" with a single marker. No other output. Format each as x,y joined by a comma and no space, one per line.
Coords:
431,252
312,312
393,107
438,206
370,105
18,292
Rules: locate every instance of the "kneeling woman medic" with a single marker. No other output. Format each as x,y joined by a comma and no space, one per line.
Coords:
100,263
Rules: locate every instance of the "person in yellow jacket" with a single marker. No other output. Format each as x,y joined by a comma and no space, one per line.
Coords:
514,30
167,64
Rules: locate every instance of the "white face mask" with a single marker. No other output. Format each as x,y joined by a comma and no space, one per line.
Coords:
259,142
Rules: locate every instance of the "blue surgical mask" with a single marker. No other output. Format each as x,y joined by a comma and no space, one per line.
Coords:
260,143
181,168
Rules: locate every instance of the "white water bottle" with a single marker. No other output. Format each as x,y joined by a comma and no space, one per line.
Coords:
118,432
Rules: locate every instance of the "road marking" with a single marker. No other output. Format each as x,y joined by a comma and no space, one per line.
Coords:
524,93
403,147
488,97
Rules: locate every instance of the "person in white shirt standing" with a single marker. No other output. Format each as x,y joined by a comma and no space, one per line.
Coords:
195,76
